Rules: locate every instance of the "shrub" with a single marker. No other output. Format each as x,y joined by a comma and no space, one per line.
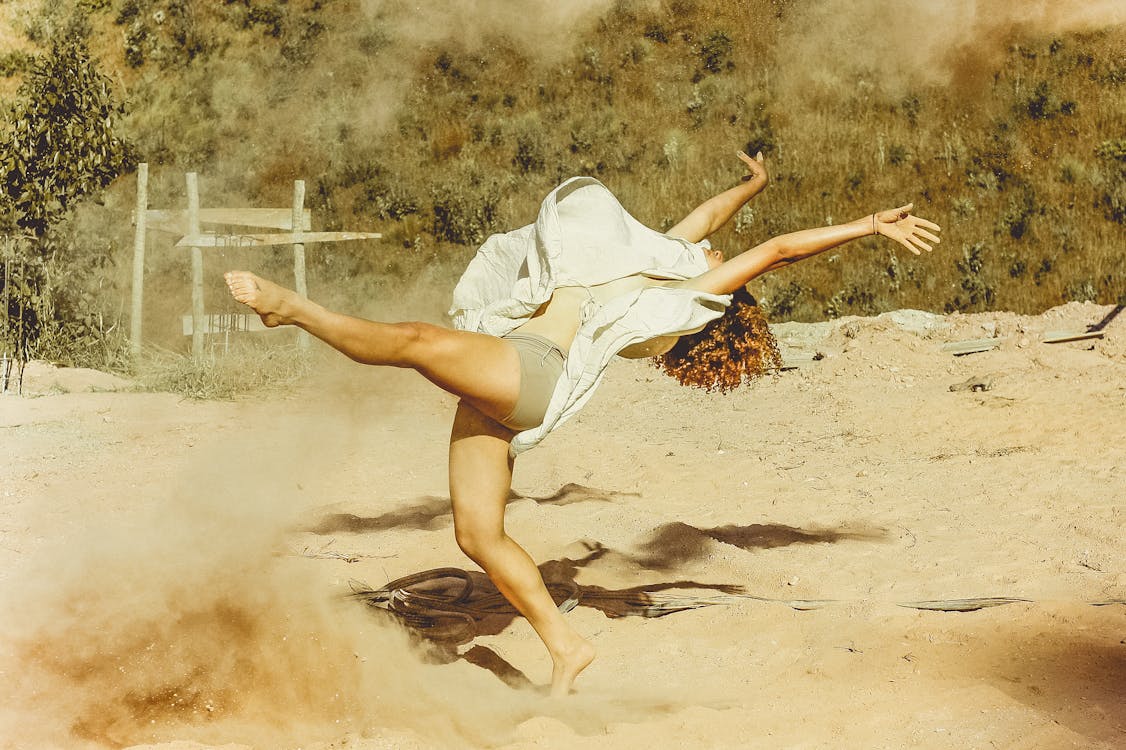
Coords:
1043,104
269,17
137,43
1080,290
978,292
1071,170
657,33
715,52
15,62
128,12
910,107
529,155
391,201
464,209
1017,217
1112,157
852,300
760,134
299,45
1045,268
897,154
991,162
783,302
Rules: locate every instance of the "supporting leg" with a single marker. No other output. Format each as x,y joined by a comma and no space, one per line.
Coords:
480,479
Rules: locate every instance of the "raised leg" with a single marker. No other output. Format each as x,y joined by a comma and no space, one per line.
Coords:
484,370
480,479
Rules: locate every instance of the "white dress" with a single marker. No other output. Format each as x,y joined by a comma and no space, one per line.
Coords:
583,237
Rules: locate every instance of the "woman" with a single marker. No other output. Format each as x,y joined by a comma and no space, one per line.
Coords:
540,312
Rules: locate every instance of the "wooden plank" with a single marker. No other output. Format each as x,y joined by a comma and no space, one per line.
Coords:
213,323
963,605
258,240
1060,337
794,360
972,346
176,222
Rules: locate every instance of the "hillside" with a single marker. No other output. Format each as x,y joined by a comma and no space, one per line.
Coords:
440,127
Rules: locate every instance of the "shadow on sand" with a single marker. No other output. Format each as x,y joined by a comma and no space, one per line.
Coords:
1069,666
674,544
432,512
450,607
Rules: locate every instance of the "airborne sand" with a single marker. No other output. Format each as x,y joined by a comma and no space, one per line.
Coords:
153,594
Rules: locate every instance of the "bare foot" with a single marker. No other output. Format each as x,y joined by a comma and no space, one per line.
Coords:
568,664
274,304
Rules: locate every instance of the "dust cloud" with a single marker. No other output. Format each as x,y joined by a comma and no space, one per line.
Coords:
183,611
541,27
186,615
897,45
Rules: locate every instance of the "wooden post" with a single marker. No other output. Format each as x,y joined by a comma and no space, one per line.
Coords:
139,258
299,251
7,363
197,266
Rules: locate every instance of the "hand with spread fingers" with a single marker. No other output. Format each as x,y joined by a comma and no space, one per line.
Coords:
910,231
756,167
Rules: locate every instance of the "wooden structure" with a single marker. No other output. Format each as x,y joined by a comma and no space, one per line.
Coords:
296,223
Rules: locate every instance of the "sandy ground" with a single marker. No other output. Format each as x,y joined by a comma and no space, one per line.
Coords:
160,587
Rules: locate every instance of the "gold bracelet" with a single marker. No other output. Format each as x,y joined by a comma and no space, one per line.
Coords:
874,230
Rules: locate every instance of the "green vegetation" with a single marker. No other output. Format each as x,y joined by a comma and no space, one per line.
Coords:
438,142
58,146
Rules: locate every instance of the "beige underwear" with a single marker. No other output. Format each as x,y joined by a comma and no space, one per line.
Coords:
541,364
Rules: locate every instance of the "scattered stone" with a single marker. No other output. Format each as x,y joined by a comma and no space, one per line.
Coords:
976,383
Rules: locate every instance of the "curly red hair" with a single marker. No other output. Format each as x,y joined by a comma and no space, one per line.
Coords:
730,350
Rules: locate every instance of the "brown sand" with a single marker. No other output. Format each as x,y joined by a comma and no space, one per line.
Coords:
153,593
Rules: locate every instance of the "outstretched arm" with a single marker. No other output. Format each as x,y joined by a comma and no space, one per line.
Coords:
713,213
897,224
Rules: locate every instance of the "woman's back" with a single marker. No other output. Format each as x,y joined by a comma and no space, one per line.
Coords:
559,318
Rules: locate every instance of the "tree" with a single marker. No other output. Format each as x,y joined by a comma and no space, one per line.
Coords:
57,144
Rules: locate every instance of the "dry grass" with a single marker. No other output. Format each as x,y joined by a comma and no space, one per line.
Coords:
222,375
437,141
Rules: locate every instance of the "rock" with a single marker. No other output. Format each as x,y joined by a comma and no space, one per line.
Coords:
975,383
915,321
41,378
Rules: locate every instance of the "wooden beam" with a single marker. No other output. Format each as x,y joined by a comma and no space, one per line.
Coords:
257,240
1060,337
972,346
176,222
299,256
197,265
139,259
